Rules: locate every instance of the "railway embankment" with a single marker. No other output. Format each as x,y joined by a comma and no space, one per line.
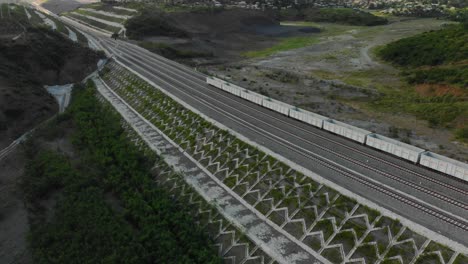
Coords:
321,218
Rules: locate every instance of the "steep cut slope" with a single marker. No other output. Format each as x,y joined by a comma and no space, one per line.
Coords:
40,57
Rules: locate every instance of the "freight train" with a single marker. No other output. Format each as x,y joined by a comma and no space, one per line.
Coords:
402,150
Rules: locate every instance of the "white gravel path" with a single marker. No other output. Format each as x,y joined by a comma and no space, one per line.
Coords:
82,26
110,23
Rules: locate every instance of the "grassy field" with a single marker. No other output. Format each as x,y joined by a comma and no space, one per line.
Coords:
291,43
109,8
283,45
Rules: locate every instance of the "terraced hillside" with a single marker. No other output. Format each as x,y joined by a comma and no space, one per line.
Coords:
107,18
22,17
319,219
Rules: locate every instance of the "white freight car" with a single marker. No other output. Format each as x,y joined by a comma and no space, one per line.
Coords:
394,147
232,88
443,164
218,83
277,106
252,96
345,130
307,117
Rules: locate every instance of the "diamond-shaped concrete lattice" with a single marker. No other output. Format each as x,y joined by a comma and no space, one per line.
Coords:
337,227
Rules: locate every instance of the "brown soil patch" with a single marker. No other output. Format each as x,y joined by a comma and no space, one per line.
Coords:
428,90
461,122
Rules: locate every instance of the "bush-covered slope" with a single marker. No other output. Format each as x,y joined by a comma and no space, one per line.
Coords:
334,15
108,207
436,57
430,48
436,64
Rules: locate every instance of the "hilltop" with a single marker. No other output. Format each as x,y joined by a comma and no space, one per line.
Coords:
435,63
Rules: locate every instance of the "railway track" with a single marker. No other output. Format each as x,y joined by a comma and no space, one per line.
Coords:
434,194
245,104
455,221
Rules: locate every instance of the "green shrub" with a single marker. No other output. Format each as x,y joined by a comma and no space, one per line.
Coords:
85,229
150,227
334,15
436,57
431,48
457,75
45,172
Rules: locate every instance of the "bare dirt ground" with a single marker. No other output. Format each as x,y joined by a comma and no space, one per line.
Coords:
13,215
339,75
